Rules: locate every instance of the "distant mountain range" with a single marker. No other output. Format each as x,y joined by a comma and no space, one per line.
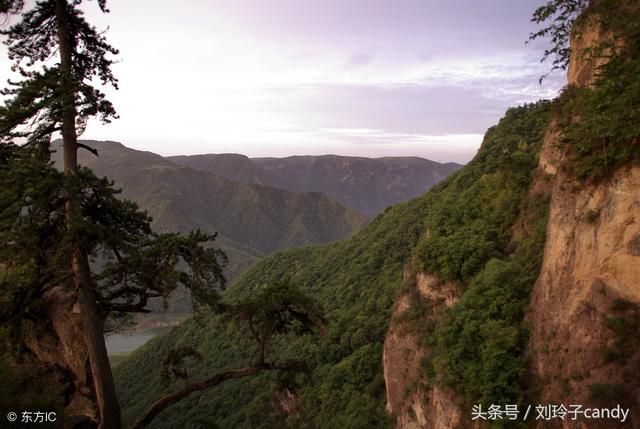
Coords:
365,184
251,220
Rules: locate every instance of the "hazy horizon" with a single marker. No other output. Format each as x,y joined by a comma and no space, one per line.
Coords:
258,157
364,78
307,155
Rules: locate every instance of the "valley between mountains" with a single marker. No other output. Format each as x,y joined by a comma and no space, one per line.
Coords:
259,206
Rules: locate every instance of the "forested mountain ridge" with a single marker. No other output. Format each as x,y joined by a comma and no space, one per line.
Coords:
251,220
365,184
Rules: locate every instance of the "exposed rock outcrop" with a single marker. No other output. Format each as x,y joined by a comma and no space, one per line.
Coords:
414,402
582,66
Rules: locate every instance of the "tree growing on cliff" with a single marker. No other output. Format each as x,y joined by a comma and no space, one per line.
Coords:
61,98
600,122
560,16
136,265
130,263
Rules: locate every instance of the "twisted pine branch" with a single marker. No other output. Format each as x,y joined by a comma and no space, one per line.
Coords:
174,397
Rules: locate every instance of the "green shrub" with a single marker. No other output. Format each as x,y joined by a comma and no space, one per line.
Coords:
624,321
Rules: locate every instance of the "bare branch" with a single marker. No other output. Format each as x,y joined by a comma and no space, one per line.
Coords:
89,148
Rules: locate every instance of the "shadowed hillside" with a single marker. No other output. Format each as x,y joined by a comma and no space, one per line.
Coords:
252,220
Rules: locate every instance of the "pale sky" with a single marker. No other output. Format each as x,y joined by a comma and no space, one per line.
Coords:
289,77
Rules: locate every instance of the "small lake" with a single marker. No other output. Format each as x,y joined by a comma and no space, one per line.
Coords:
126,343
146,327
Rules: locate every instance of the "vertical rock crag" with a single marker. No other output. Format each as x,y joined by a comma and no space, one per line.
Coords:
590,277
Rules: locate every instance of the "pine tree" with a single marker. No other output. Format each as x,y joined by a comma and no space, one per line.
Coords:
54,221
129,266
62,98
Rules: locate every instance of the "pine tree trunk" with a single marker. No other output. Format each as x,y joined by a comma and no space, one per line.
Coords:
93,325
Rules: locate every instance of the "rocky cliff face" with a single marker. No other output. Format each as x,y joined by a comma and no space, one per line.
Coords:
591,265
582,69
588,282
584,314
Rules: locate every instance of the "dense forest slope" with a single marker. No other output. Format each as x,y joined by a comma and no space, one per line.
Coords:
357,281
368,185
251,220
